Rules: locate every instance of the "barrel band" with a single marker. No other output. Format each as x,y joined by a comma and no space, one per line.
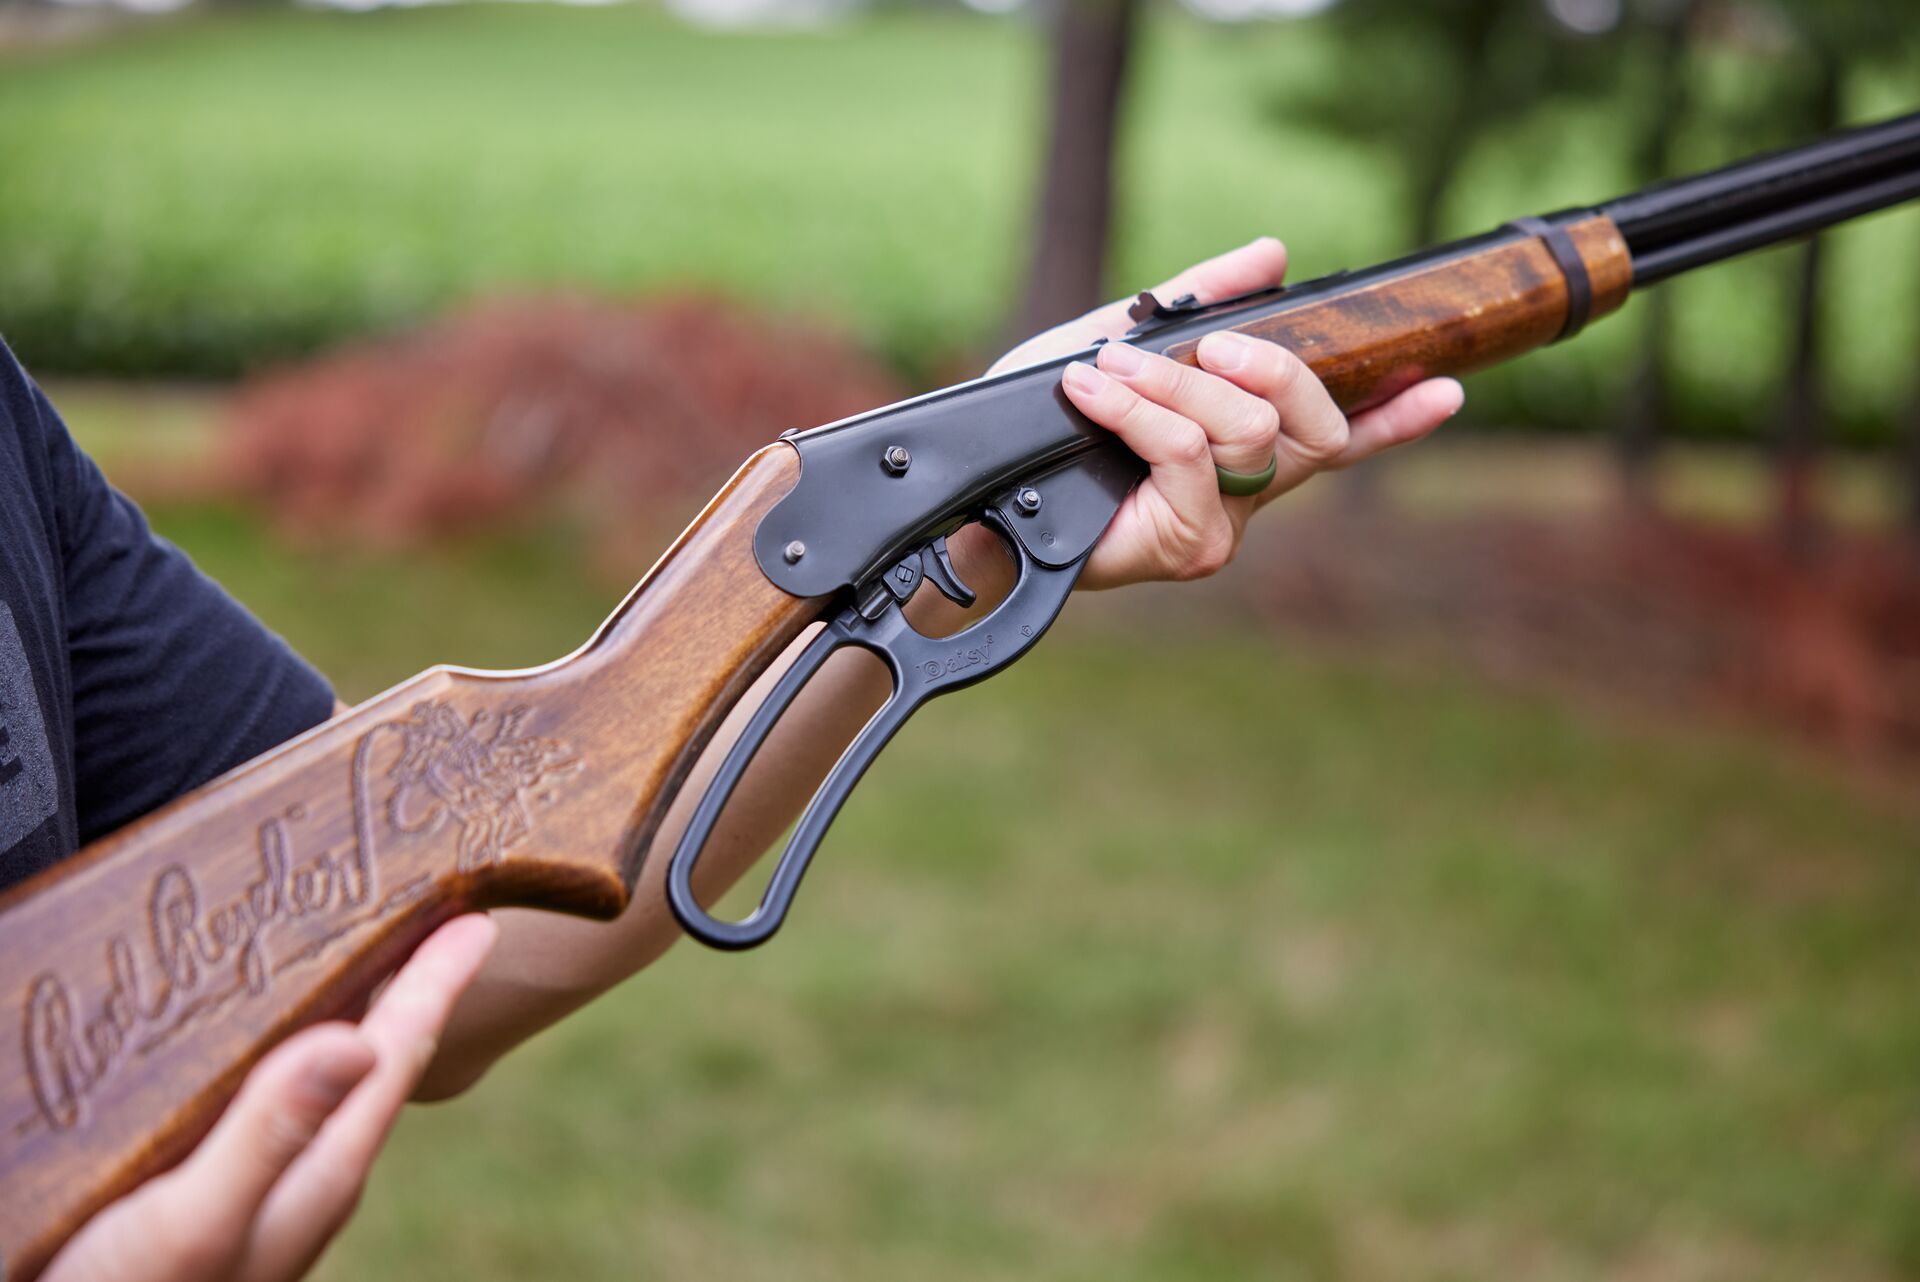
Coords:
1572,266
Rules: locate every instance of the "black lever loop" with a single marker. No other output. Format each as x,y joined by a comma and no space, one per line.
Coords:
922,667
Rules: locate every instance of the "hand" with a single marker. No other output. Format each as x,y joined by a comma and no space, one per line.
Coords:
281,1172
1248,401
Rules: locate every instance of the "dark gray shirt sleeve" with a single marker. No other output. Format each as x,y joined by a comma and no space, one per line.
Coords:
173,681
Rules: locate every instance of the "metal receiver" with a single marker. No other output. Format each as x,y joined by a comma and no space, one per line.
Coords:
1049,525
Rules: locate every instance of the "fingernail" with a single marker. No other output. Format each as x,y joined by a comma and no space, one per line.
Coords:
1121,359
1224,349
1082,377
338,1070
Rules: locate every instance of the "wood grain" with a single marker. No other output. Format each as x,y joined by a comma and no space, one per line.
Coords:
154,968
1449,316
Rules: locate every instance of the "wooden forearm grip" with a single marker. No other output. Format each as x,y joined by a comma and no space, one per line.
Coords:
152,970
1451,314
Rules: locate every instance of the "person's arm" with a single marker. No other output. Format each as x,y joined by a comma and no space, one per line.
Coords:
173,681
1248,402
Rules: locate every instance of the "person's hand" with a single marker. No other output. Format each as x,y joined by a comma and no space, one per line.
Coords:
1246,403
282,1170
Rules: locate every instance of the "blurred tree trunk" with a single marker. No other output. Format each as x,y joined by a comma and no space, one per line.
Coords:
1457,119
1648,410
1091,43
1802,424
1913,469
1911,466
1647,414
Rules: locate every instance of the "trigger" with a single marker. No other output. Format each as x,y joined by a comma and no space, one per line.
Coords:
897,585
939,568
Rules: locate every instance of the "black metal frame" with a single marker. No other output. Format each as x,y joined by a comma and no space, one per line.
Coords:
1689,222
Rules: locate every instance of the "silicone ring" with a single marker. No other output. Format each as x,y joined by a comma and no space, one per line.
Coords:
1240,485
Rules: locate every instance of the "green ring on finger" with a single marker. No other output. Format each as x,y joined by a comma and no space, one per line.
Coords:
1242,485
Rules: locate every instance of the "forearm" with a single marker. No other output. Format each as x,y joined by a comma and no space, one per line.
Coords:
547,965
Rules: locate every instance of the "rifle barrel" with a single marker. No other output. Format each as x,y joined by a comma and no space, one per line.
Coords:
1688,222
1718,243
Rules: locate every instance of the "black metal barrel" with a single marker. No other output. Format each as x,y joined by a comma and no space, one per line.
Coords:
1688,222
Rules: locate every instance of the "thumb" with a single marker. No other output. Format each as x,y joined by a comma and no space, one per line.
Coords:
195,1221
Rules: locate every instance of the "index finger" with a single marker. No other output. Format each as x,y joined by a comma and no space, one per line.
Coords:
318,1194
404,1028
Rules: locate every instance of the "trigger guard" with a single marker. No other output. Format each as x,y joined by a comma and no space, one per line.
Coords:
923,667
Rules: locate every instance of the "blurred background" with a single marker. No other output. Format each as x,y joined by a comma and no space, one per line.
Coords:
1510,867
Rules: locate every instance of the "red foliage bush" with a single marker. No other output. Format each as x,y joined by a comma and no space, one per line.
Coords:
628,415
1667,613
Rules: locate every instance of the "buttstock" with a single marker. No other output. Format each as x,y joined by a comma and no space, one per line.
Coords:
154,968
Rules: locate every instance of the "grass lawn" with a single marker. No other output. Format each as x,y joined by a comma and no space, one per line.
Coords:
1180,953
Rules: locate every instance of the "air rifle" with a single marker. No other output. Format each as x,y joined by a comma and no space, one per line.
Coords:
155,967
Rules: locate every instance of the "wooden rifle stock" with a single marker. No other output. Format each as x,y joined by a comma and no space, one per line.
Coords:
150,971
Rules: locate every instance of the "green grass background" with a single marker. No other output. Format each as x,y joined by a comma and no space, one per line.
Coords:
199,197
